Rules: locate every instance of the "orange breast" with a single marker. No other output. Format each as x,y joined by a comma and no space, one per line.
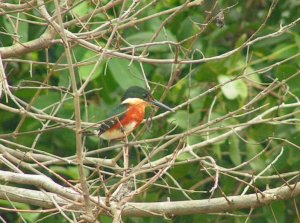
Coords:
134,113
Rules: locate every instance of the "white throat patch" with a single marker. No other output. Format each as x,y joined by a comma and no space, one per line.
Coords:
133,101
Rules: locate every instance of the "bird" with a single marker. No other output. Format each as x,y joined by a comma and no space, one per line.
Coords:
126,117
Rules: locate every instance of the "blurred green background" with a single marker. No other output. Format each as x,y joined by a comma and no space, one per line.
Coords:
113,76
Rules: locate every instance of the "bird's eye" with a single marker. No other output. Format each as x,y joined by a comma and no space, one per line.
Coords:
145,96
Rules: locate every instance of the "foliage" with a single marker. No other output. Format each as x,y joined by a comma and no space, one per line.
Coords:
235,90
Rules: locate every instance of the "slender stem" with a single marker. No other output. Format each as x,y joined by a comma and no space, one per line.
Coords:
78,134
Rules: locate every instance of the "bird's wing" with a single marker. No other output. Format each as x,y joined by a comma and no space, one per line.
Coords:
116,115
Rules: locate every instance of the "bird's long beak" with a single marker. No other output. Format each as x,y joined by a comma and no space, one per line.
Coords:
161,105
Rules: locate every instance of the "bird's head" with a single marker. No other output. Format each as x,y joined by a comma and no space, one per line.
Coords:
137,95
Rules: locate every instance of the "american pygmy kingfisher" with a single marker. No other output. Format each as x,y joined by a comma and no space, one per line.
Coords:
129,114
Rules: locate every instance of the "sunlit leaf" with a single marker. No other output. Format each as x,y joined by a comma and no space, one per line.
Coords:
184,156
232,89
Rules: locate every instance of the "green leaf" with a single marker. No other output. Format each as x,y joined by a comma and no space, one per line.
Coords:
208,72
252,74
252,149
31,217
82,9
85,71
47,99
124,74
5,203
234,150
194,139
144,37
187,28
184,156
8,26
71,172
285,71
64,79
241,88
233,89
217,150
283,51
233,60
180,118
93,113
23,29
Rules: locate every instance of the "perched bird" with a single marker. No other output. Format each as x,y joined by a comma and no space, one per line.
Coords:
129,114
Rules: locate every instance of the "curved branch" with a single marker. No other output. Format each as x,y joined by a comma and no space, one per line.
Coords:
32,197
168,208
44,41
25,6
213,205
40,181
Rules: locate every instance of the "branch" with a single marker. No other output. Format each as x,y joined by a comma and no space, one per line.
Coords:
43,42
168,208
215,205
256,120
40,181
47,40
32,197
25,6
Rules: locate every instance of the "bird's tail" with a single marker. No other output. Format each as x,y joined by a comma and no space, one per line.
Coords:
88,133
102,143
